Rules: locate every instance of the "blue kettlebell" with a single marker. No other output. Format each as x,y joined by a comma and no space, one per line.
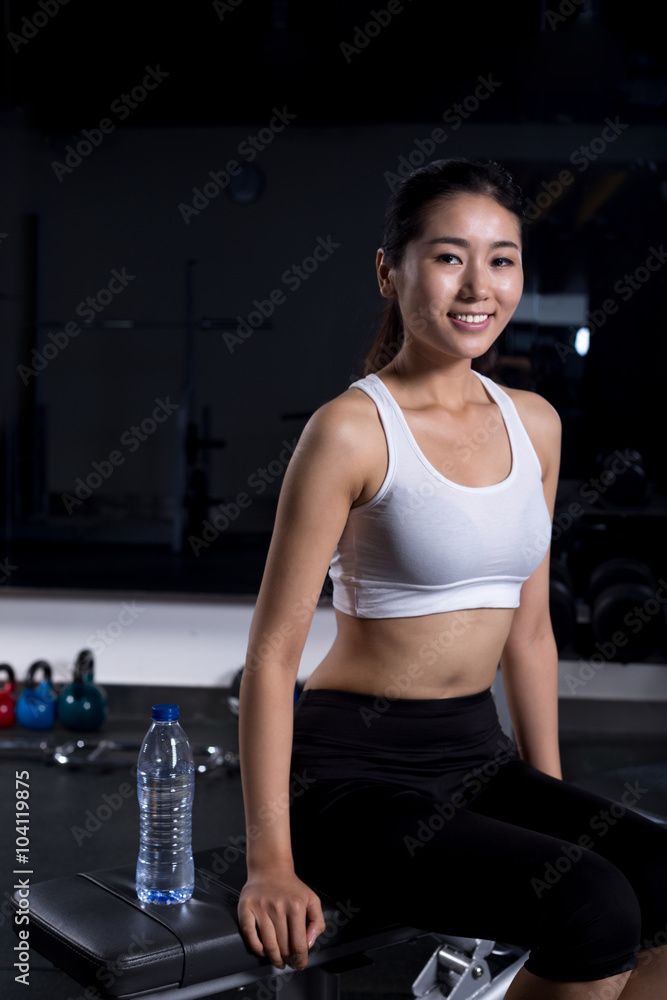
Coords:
36,708
82,705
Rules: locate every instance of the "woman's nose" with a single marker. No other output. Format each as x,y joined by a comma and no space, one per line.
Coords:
474,282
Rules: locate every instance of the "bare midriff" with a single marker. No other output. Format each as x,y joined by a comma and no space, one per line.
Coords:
446,655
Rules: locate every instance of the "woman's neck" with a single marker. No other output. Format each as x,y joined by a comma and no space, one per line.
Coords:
443,380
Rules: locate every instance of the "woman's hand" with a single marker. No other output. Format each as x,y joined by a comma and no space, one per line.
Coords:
280,917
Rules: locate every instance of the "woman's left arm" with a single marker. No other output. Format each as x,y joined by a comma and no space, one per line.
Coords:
529,661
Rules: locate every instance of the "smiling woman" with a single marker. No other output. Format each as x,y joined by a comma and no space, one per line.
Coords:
439,557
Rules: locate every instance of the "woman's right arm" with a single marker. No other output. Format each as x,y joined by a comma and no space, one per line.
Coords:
279,915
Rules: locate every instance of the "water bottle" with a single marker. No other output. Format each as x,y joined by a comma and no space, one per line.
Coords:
165,786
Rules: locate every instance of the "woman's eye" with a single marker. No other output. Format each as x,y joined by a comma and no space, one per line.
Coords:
503,261
449,258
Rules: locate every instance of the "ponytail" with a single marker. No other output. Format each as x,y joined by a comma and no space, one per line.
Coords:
388,340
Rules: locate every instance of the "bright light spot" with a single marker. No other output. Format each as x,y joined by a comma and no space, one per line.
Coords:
582,341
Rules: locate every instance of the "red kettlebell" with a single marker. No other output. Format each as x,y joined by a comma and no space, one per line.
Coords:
7,699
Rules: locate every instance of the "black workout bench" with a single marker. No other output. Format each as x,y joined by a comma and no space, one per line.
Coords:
93,927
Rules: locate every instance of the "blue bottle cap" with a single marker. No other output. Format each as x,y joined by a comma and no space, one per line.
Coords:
165,713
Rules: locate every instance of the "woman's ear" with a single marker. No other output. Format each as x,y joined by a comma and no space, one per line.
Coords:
385,276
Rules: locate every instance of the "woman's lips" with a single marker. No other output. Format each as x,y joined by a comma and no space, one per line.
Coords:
471,321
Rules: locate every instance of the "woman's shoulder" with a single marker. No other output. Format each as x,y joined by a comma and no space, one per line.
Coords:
342,443
346,431
535,411
345,417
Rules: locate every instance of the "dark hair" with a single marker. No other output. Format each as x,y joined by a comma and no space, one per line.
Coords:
405,216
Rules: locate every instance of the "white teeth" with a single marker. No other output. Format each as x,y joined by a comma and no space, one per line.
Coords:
469,318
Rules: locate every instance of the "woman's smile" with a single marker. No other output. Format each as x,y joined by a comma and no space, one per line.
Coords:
471,321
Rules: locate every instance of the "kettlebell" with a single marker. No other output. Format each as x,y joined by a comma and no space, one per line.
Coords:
7,699
82,705
36,708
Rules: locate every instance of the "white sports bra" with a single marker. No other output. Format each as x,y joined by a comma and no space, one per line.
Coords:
424,544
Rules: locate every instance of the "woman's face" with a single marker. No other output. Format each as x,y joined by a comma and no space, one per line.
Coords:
460,281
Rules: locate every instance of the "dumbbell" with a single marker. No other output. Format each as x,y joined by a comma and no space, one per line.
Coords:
561,603
626,612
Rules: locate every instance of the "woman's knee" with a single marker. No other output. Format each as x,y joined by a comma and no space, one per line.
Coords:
591,923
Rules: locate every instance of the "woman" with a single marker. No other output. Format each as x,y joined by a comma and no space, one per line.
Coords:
429,491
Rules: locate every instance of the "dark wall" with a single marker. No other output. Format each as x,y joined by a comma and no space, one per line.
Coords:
111,121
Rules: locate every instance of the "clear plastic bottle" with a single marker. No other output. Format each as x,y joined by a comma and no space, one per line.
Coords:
165,786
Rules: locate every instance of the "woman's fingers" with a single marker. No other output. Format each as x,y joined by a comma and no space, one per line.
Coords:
314,919
306,925
281,926
249,928
274,938
259,931
296,915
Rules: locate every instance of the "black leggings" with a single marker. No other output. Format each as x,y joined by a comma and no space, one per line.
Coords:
421,811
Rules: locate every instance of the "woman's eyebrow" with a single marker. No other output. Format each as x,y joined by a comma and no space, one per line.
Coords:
460,242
